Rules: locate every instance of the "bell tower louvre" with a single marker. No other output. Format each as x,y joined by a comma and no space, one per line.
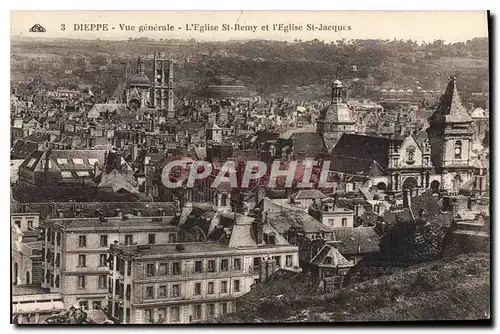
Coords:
163,84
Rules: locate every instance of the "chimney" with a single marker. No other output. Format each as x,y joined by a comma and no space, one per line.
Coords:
60,213
262,270
119,213
161,212
24,208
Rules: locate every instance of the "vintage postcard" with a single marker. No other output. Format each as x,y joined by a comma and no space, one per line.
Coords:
249,167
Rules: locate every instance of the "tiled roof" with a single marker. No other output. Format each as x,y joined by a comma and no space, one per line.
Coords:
309,194
358,240
23,148
307,144
365,147
330,251
283,220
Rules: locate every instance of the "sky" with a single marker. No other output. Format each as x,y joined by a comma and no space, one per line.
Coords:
420,26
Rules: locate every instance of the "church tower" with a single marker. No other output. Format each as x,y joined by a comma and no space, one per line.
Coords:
163,84
336,118
137,92
450,137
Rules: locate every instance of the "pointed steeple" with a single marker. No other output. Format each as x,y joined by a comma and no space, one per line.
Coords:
450,108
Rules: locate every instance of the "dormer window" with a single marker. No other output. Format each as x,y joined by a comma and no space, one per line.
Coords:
410,155
458,149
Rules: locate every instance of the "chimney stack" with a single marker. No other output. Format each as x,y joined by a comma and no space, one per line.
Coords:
60,213
119,213
161,212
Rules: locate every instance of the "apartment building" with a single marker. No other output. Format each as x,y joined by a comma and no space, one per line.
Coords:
75,252
189,282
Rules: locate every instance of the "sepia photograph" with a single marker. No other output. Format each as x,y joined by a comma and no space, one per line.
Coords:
244,167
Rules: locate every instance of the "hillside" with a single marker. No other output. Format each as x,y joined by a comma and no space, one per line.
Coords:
448,289
264,66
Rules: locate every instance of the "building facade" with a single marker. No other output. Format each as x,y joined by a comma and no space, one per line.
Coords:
187,282
75,252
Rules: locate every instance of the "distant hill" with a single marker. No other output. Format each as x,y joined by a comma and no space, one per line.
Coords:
263,66
448,289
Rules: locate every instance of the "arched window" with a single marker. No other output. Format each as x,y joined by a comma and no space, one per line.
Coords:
458,149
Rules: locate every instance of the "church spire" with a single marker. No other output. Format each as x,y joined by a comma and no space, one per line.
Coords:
450,108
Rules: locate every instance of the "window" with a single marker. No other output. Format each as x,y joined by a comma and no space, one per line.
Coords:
278,261
103,258
289,260
58,260
82,241
148,315
236,285
58,281
198,267
237,264
210,310
176,268
331,222
197,288
174,314
410,154
128,239
93,161
66,175
224,308
82,260
223,287
150,269
197,312
210,288
149,292
77,161
96,304
58,239
129,269
127,292
81,282
172,238
82,173
103,280
18,223
30,224
83,304
163,269
176,290
458,149
224,265
211,266
103,240
162,315
162,291
62,161
344,222
151,239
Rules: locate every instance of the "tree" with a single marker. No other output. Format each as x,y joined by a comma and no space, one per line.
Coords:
412,241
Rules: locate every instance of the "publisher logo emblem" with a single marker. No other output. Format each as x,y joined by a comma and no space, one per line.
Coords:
37,28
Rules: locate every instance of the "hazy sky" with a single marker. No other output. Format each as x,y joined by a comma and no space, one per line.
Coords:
451,26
